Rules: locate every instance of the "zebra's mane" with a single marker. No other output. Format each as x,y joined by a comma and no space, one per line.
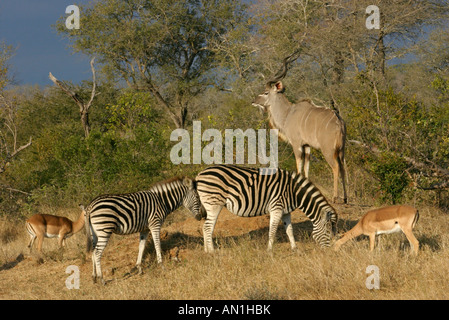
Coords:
167,185
296,177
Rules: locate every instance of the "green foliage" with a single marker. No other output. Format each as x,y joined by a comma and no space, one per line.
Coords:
390,170
174,55
118,156
132,110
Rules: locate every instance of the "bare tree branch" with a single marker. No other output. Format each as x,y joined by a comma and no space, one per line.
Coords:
84,107
15,190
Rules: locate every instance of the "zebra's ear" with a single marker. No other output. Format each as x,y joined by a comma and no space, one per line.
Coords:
188,183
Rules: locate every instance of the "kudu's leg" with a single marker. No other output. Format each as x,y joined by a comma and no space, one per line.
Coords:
342,166
306,160
299,156
336,171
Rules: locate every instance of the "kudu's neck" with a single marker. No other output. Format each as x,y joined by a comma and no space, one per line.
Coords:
279,110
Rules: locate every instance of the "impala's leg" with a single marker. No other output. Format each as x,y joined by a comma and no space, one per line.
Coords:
142,243
372,240
275,217
61,240
32,234
40,239
351,234
32,239
414,243
306,161
286,219
208,228
156,234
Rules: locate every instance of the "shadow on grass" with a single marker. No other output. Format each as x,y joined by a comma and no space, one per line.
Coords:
12,264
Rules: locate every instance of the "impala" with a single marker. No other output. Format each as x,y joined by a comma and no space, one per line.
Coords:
42,226
385,220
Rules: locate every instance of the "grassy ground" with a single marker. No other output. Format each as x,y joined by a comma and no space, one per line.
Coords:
239,269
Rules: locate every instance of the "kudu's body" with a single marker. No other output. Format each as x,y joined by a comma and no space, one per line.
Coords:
305,125
42,226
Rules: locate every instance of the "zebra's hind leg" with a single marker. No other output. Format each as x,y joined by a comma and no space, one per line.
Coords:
156,234
96,258
286,219
142,243
275,217
208,228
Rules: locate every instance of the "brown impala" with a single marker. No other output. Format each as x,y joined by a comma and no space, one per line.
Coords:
42,226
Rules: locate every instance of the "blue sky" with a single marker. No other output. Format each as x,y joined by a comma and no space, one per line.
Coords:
27,26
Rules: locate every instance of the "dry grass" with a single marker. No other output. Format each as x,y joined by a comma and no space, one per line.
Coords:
240,269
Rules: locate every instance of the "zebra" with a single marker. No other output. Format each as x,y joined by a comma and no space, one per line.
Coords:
142,211
248,193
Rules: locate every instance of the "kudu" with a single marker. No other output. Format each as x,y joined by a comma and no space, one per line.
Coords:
305,125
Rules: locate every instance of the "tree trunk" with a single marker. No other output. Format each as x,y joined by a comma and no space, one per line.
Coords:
85,122
381,54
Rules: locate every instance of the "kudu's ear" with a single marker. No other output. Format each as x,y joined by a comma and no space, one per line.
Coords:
279,87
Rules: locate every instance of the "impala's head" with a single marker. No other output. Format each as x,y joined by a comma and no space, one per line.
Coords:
325,226
268,97
191,199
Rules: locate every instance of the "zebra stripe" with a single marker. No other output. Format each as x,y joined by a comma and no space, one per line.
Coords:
142,211
248,193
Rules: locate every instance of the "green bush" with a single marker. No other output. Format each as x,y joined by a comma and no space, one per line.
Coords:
390,170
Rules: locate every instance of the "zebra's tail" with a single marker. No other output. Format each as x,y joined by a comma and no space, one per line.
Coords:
88,227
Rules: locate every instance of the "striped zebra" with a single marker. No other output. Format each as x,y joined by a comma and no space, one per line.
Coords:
142,211
248,193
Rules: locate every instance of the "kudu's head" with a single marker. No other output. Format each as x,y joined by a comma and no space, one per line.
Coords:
265,100
273,87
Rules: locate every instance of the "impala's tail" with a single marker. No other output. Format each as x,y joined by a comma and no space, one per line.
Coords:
415,219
